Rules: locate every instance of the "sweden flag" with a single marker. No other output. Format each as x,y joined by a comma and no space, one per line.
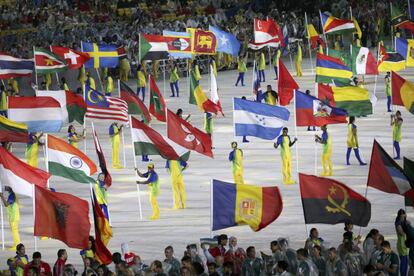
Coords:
102,55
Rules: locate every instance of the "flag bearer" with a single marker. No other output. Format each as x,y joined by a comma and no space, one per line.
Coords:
101,191
276,61
174,79
326,157
109,85
242,69
388,90
262,67
13,213
73,137
396,123
236,157
285,143
90,81
114,133
176,168
154,189
352,142
298,60
32,148
142,82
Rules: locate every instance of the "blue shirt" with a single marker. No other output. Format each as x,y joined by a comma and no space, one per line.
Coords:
152,176
11,198
325,136
280,139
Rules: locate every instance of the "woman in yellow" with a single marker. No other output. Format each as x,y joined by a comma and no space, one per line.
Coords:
114,133
176,168
90,251
236,157
262,66
13,213
82,75
326,142
275,62
197,71
396,123
242,69
48,80
142,82
154,189
90,81
352,142
109,85
102,194
284,142
73,137
124,69
174,79
32,148
298,60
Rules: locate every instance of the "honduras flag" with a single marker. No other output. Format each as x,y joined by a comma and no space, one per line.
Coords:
227,42
257,119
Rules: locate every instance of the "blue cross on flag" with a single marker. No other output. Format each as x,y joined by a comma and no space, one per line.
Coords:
102,55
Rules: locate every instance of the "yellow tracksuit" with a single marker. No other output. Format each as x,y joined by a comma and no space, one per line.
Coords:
124,69
327,154
109,86
13,213
284,142
236,156
176,168
154,191
32,148
298,61
115,142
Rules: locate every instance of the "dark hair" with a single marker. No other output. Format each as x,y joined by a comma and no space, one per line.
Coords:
222,236
283,265
351,119
179,111
198,268
169,248
70,127
116,258
347,236
332,249
386,244
250,248
61,252
399,213
228,264
157,264
313,229
36,255
186,259
273,243
372,233
347,223
303,252
19,246
285,128
92,240
318,248
104,268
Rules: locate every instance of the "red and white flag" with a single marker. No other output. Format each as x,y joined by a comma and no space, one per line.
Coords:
183,133
214,97
267,32
74,59
101,107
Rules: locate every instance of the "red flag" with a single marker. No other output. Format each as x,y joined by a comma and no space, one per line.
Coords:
157,102
75,59
103,232
63,217
101,157
184,134
286,85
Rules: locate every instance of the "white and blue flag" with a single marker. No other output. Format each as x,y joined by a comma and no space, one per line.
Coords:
258,119
226,42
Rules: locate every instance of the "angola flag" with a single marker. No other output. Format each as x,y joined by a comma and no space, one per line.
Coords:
157,102
328,201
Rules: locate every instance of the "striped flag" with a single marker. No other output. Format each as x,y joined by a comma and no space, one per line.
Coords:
46,62
101,107
11,67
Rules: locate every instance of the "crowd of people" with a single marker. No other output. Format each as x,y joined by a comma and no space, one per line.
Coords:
223,256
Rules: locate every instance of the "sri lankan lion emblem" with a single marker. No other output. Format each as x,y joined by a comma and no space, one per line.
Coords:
248,208
205,41
335,206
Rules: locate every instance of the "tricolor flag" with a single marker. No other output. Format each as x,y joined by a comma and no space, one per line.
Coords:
11,131
157,105
199,98
20,176
333,25
240,204
69,162
74,59
135,104
153,47
46,62
41,114
402,92
147,141
390,61
405,47
386,175
12,67
363,62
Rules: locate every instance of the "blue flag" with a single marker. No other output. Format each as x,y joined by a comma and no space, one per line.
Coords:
102,55
258,119
226,42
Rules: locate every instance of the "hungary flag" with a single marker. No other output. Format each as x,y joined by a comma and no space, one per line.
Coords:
157,102
73,106
363,62
135,105
46,62
67,161
147,141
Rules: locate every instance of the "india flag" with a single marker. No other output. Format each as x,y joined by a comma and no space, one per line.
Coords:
67,161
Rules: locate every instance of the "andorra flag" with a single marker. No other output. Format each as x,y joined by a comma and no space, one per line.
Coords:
402,92
241,204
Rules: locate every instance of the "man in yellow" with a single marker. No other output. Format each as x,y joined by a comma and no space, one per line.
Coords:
338,42
142,82
32,148
73,137
48,80
90,81
82,75
298,60
242,69
115,134
352,142
174,79
101,191
176,168
262,66
15,85
154,189
285,143
20,260
396,123
275,62
388,90
326,142
109,85
13,213
3,101
124,69
197,71
236,157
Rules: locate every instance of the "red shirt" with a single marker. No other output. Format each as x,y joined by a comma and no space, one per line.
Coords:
43,268
58,267
217,251
129,258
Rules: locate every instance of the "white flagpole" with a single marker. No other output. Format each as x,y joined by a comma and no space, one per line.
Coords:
34,216
100,80
254,72
34,56
376,78
122,133
2,226
309,42
163,78
296,133
211,208
316,144
270,61
324,35
84,121
136,174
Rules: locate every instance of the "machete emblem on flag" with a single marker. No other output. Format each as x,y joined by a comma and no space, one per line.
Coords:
61,212
338,207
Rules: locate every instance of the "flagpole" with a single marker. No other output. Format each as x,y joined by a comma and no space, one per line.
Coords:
270,61
163,78
84,121
46,157
2,226
254,71
314,132
166,119
100,80
309,42
135,166
34,57
139,48
122,133
56,73
296,132
34,216
376,78
211,208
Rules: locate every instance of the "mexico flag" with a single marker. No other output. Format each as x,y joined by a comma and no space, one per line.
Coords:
363,62
47,62
67,161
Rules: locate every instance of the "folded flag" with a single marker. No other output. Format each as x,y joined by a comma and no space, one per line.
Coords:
69,162
179,44
240,204
157,104
357,28
363,62
101,158
183,133
286,84
258,119
41,114
402,92
310,111
101,107
153,47
101,55
314,37
334,25
353,99
405,47
11,131
20,176
74,59
12,67
46,62
344,56
389,61
202,42
214,90
147,141
329,69
328,201
259,45
267,32
386,175
400,20
103,232
199,98
135,105
62,216
227,42
73,106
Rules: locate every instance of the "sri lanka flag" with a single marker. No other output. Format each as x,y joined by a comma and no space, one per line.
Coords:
330,69
333,25
402,92
240,204
310,111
